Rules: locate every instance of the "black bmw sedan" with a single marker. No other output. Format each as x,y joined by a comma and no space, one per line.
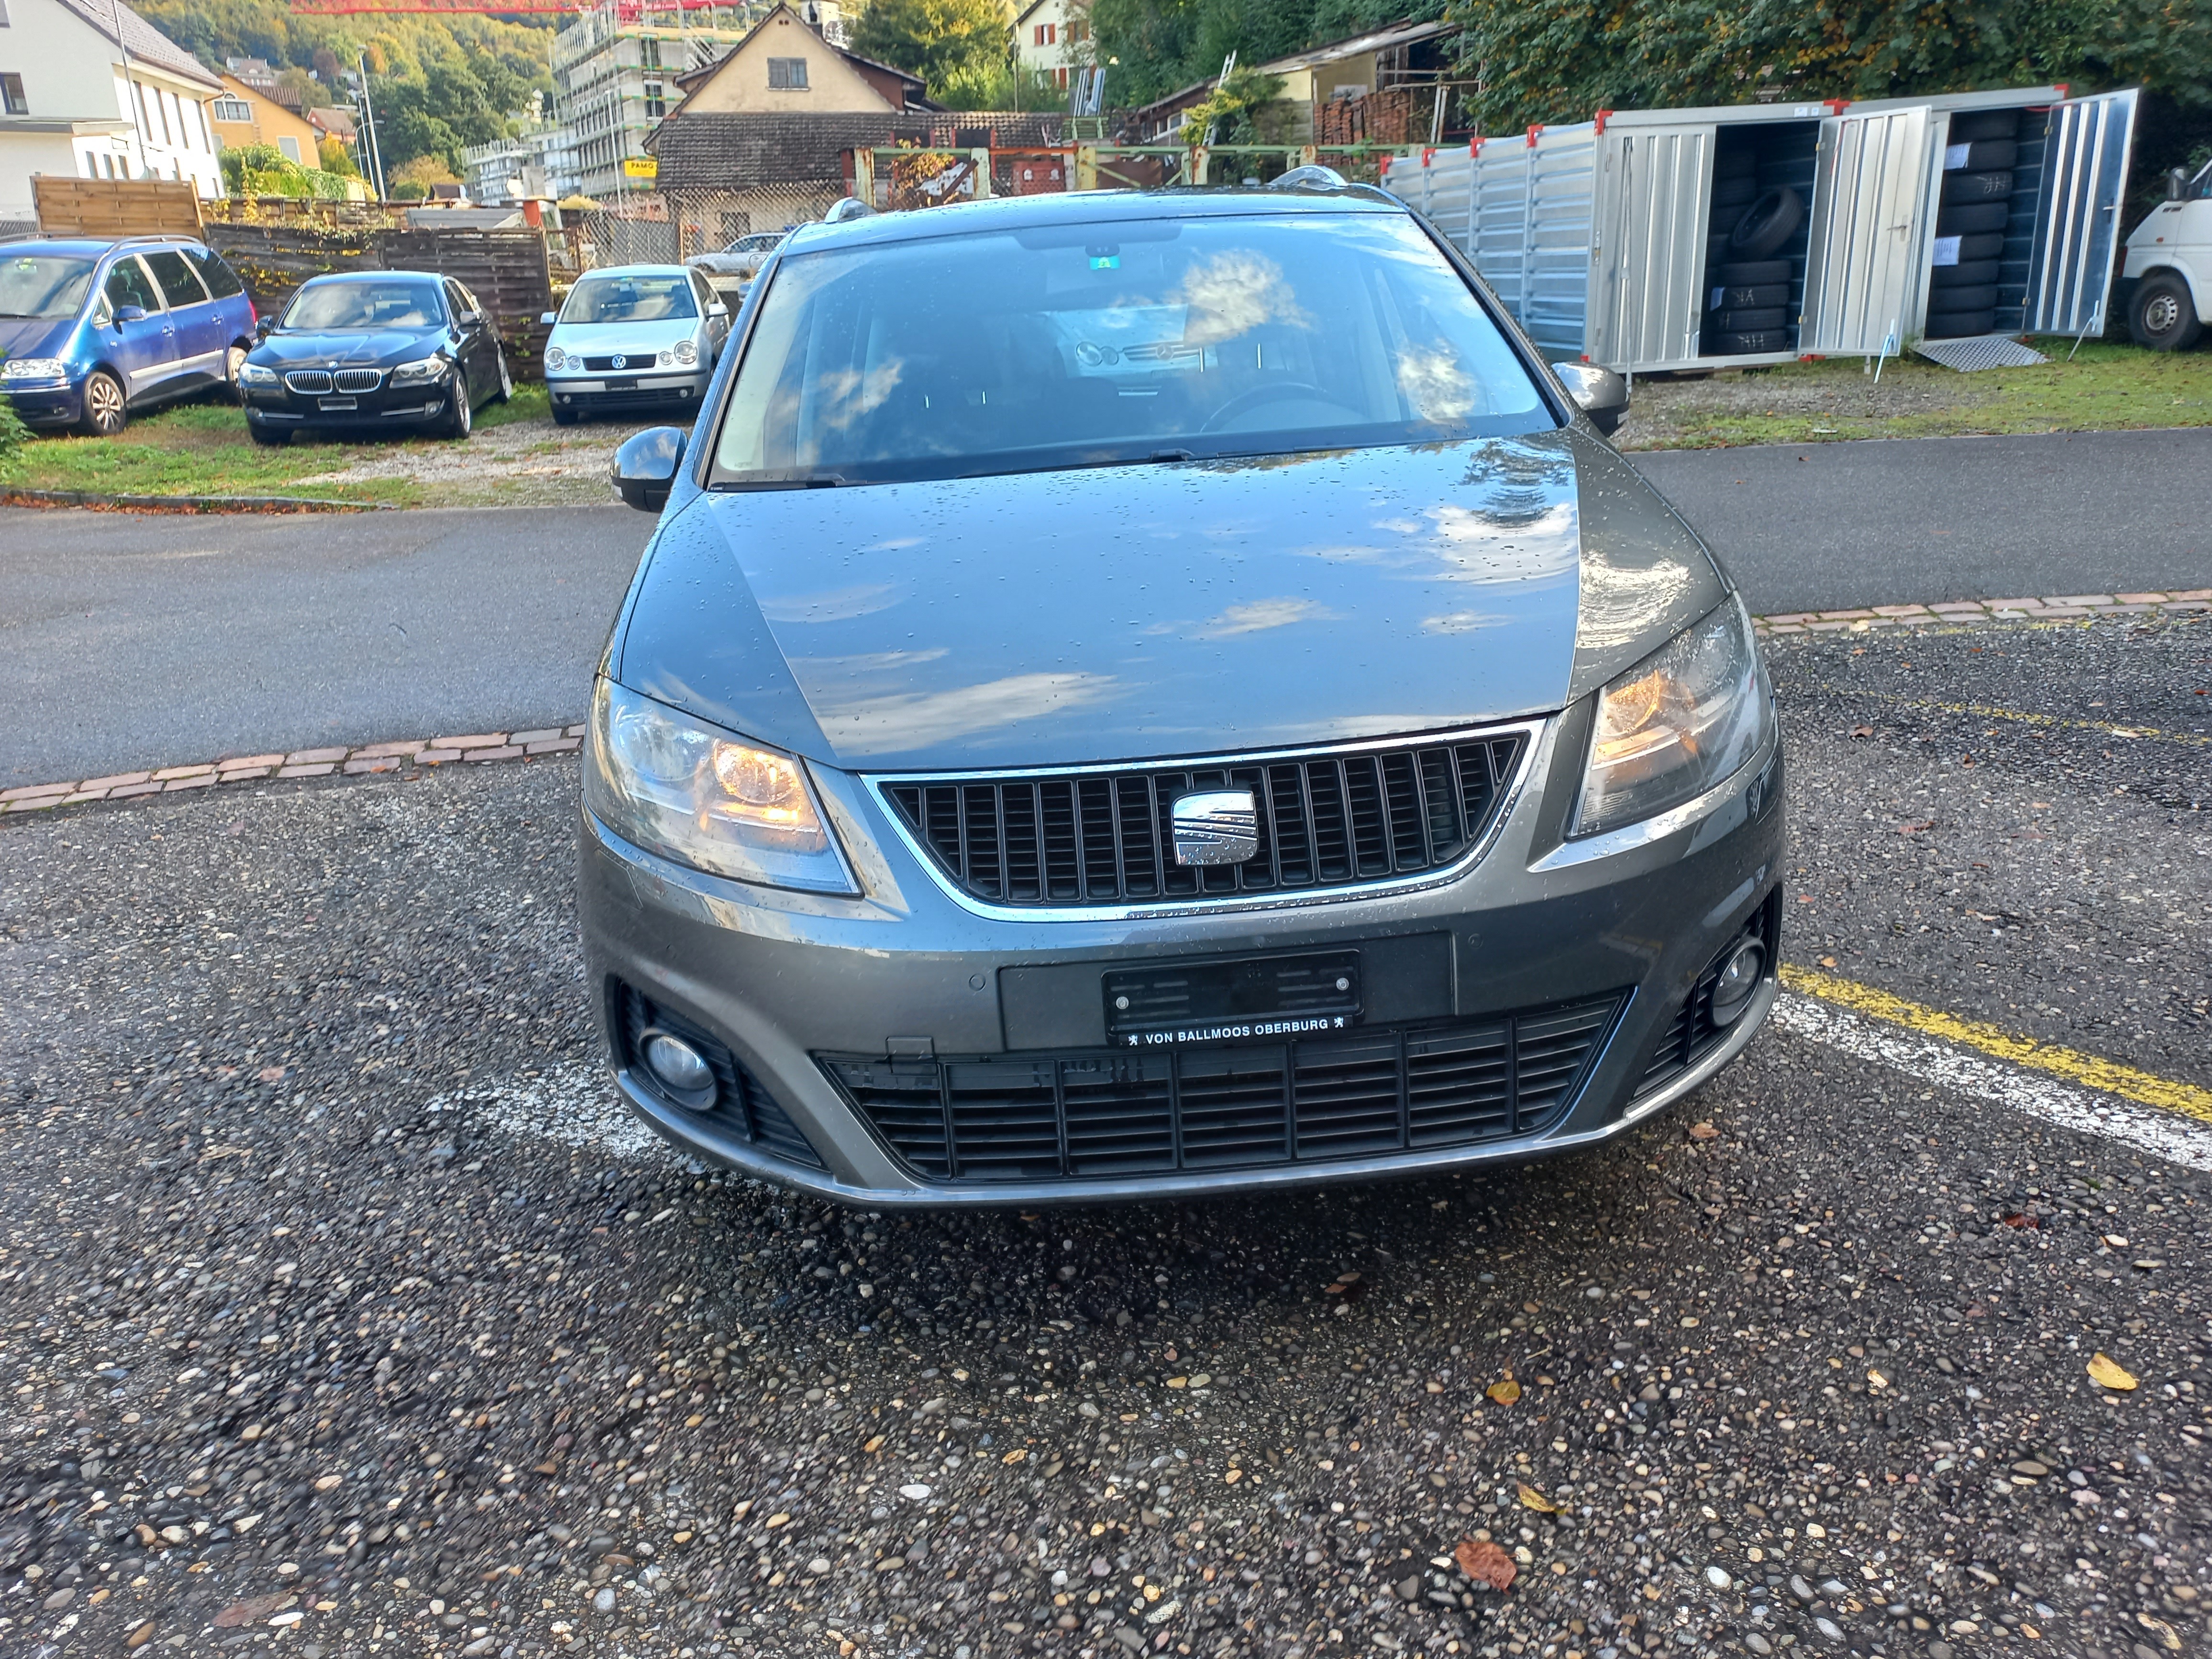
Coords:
1144,697
375,351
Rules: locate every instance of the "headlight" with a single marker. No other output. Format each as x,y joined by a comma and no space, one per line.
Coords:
33,368
1675,725
555,358
256,374
421,370
703,798
686,352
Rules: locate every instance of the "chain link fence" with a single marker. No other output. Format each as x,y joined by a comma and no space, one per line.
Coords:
707,220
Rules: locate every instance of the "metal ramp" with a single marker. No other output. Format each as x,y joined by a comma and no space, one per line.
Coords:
1980,351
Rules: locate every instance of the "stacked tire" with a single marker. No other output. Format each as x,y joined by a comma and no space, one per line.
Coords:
1747,313
1979,177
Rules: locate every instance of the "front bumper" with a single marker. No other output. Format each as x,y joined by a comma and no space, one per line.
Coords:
596,393
384,409
786,981
49,404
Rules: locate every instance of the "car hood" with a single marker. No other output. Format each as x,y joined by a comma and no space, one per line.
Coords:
379,348
32,337
1053,618
601,339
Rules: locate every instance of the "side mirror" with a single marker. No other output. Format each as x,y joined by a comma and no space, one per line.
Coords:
130,314
547,317
262,325
2176,184
645,466
718,309
1598,393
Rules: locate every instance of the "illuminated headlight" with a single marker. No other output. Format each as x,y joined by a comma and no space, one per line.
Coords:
666,358
33,368
555,359
256,374
686,352
421,372
702,797
1675,725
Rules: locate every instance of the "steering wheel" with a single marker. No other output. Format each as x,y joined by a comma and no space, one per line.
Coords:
1273,392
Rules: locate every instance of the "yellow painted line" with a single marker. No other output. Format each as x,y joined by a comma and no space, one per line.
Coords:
2108,1076
1985,711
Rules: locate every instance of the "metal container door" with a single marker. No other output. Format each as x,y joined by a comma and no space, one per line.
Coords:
1555,270
2077,224
1864,268
1647,259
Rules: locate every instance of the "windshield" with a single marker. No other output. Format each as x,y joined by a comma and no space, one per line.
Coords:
629,300
364,305
1094,344
43,284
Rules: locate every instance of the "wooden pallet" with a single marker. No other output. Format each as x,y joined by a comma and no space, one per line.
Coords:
116,207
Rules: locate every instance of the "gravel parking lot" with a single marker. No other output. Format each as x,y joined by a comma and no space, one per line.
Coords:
346,1315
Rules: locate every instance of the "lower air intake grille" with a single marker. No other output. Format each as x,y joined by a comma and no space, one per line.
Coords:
1095,1115
1691,1035
741,1104
1325,820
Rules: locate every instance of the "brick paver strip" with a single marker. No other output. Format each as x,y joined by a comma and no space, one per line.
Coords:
395,756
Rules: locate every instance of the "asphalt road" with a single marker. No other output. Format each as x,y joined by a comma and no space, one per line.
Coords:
1915,521
147,642
136,640
336,1292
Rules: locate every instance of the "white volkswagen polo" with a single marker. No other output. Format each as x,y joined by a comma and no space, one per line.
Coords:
632,338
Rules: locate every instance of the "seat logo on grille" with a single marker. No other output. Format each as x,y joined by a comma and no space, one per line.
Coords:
1216,826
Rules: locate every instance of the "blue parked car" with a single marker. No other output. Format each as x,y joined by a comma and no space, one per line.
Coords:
90,330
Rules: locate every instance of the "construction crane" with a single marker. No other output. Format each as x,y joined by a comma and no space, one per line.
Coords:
627,10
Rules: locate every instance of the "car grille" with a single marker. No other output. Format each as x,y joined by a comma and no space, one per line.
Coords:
741,1104
1327,820
632,363
1096,1114
1691,1035
359,379
308,382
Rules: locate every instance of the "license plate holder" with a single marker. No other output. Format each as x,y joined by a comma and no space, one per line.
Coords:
627,384
339,404
1251,1000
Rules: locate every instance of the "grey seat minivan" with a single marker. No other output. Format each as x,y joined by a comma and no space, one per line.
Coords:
1135,695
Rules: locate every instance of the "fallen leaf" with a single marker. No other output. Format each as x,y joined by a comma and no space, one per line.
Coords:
1505,1391
252,1610
1703,1132
1916,826
1862,730
2023,1221
1484,1562
1532,1500
2107,1373
1015,1456
1828,962
272,1074
875,1444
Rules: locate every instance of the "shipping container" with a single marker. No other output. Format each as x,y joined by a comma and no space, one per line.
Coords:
1658,239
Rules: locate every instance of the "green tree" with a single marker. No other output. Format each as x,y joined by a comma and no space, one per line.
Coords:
1155,47
936,39
1560,60
336,157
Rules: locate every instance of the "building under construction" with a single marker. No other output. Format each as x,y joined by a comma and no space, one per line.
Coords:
614,76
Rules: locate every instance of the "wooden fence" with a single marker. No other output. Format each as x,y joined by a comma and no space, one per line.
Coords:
116,207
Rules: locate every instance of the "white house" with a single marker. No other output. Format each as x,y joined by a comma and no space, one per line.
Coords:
90,90
1052,38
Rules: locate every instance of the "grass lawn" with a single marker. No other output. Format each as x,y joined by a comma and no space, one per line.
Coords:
201,448
2106,386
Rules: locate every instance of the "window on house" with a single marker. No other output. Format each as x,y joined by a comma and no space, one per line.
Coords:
232,109
290,145
648,54
788,74
1077,33
11,95
1059,78
656,100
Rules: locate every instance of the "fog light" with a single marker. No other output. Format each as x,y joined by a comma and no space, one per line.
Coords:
1738,982
680,1069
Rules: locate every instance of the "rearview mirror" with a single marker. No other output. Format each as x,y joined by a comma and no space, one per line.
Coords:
130,314
645,466
1598,393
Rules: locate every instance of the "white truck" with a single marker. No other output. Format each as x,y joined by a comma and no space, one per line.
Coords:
2166,282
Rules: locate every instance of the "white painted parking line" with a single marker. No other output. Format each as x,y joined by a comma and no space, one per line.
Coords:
2164,1135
